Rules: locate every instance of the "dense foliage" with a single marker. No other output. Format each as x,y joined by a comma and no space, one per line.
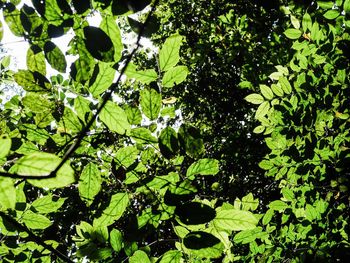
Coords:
228,142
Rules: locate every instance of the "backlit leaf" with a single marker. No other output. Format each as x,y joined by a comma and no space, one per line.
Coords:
255,98
174,76
103,80
171,256
35,221
266,92
89,183
119,202
143,135
36,60
169,53
7,193
139,256
293,33
331,14
47,204
55,57
235,220
42,164
5,145
144,76
151,102
278,205
115,118
116,240
203,167
110,27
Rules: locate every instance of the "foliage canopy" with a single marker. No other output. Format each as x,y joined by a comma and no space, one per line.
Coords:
228,142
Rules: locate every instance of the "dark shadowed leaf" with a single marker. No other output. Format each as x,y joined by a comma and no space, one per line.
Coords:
99,44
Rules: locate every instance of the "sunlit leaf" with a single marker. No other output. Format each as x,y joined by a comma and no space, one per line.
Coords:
255,98
119,202
116,240
48,204
235,220
103,80
55,57
89,183
35,221
143,135
174,76
5,145
36,60
110,27
139,256
203,167
42,164
151,102
169,53
115,118
144,76
293,33
7,193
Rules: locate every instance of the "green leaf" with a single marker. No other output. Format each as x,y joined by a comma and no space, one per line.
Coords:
36,60
285,85
116,240
168,142
134,115
331,14
89,183
119,202
295,22
169,53
311,212
13,21
266,92
103,80
143,135
37,103
151,102
293,33
174,75
171,256
115,118
46,204
247,236
55,57
262,110
31,82
347,6
307,22
1,31
268,216
82,107
145,76
126,156
42,164
7,193
5,145
203,167
53,12
35,221
139,256
110,27
255,98
278,205
277,90
103,49
235,220
325,4
288,194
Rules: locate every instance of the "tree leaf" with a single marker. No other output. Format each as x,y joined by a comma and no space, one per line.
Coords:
102,49
288,194
41,164
13,21
7,193
171,256
285,85
277,90
116,240
266,92
174,75
55,57
331,14
255,98
119,202
347,6
35,221
104,79
115,118
168,142
134,115
278,205
144,76
89,183
169,53
36,60
203,167
151,102
31,81
293,33
262,110
110,27
139,256
143,135
46,204
235,220
5,145
126,156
